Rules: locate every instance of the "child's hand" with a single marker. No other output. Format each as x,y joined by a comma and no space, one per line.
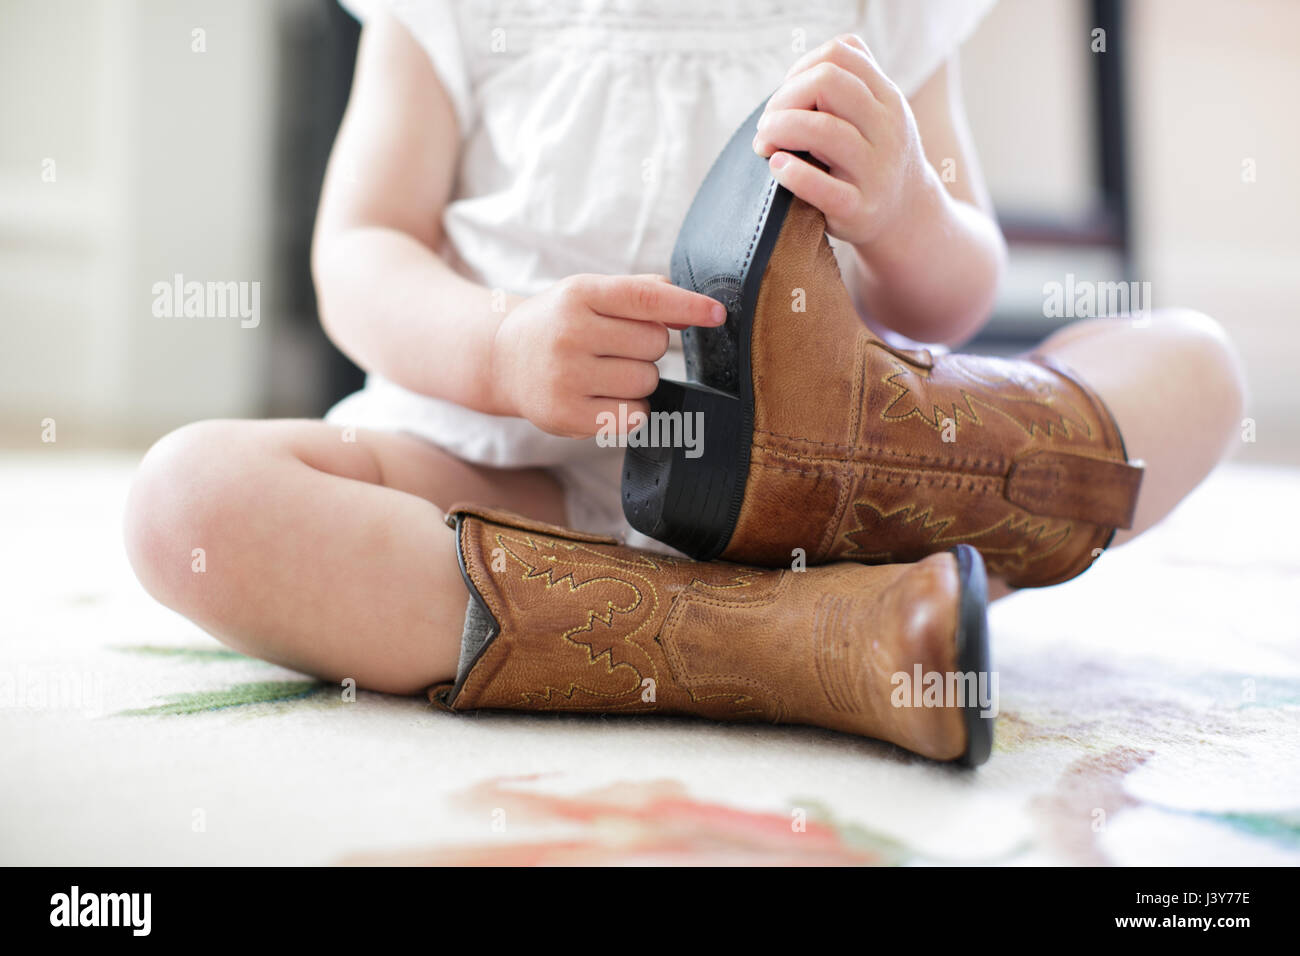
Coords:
837,105
588,344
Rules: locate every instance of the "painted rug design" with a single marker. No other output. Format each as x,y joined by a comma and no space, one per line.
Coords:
1149,714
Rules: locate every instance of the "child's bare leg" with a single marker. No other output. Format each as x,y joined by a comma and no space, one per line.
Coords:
327,556
1175,386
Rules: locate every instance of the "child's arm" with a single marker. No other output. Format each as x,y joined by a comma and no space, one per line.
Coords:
930,252
391,304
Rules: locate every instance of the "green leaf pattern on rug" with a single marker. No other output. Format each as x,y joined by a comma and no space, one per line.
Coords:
240,695
1282,829
205,701
187,653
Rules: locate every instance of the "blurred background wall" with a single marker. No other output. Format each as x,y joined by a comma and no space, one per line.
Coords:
142,139
1211,95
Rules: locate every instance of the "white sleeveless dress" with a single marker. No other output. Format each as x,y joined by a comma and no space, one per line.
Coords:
586,128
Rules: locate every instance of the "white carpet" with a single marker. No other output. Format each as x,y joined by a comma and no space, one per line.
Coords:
1150,714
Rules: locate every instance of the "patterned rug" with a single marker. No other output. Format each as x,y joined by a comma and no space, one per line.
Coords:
1150,713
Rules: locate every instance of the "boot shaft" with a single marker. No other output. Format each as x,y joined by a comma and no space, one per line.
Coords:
907,452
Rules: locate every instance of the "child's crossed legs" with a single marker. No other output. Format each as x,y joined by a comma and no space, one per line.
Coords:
331,556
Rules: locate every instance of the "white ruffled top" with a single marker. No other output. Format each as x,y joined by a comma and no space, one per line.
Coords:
586,127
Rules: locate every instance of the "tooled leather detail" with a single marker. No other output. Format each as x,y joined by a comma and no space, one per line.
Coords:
609,644
1020,535
1049,415
529,560
832,655
611,614
1011,541
823,452
707,687
912,530
1039,409
615,646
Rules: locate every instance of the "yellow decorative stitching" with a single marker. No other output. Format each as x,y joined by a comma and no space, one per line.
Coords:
923,520
645,598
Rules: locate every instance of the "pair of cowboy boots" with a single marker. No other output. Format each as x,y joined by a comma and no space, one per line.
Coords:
895,474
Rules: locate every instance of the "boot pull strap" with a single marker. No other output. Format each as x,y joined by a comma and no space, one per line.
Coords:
1061,485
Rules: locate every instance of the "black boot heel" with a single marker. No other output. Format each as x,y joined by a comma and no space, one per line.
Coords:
684,470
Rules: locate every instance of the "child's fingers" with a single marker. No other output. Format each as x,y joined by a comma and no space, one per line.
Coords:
834,197
675,326
620,378
624,415
646,341
829,89
834,142
849,53
647,299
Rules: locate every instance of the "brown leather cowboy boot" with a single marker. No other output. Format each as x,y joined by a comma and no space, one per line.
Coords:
564,621
819,435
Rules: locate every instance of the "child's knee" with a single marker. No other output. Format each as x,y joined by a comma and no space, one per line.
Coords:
1206,356
175,509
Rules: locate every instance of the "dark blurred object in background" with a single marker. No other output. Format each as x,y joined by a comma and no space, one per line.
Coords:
317,47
